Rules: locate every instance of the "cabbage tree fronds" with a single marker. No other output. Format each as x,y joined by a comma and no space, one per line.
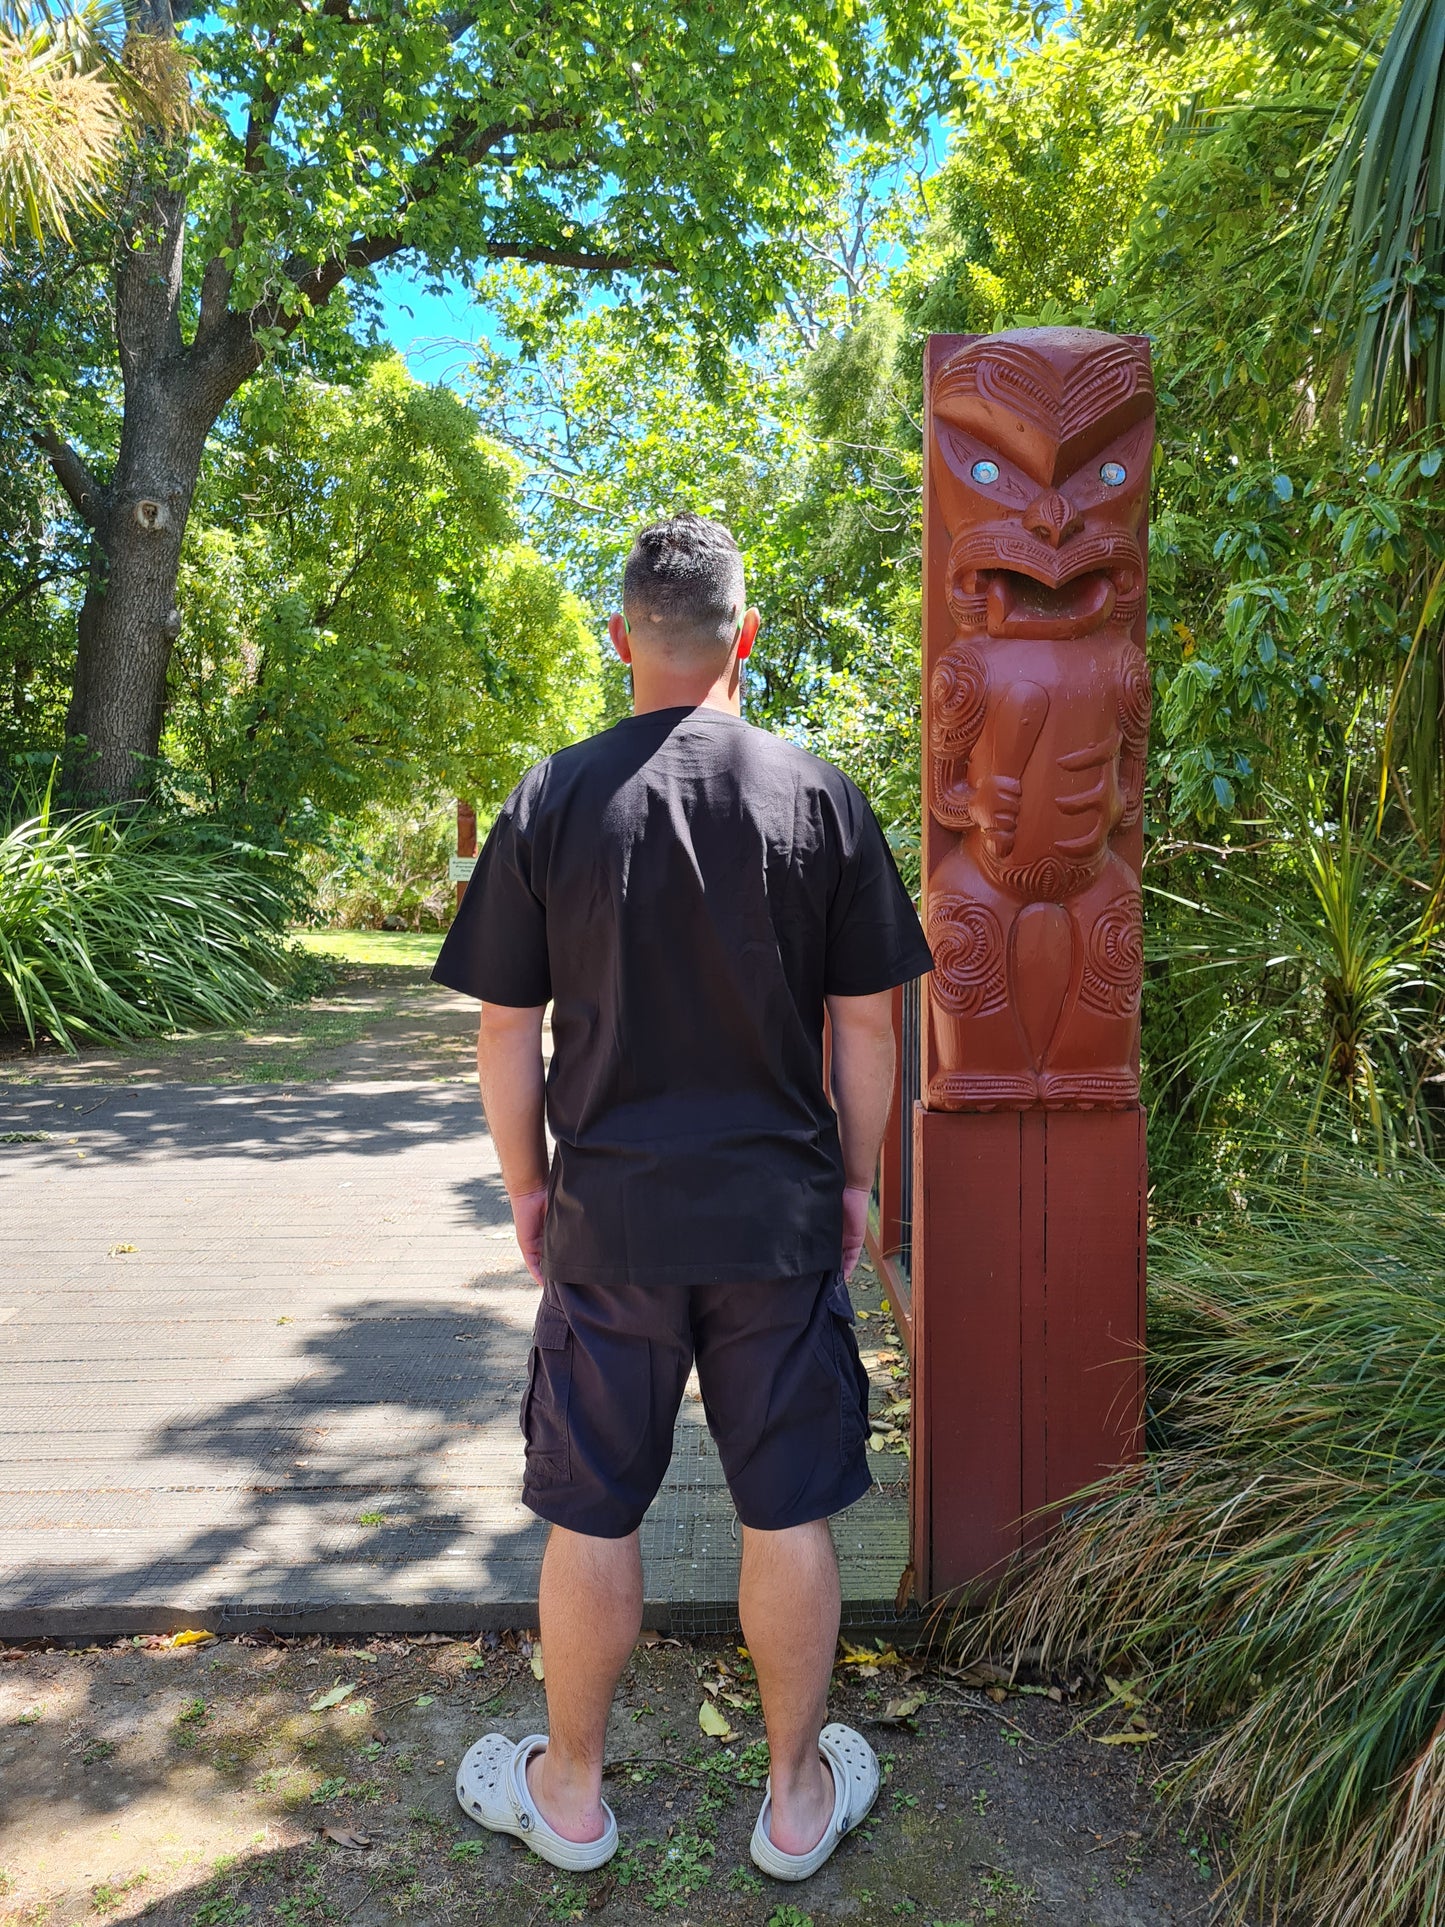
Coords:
74,82
1379,224
61,123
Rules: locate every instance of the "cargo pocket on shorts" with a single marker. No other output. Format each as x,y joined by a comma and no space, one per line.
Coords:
544,1403
852,1378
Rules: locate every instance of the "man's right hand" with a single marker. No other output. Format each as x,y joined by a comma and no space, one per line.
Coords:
529,1215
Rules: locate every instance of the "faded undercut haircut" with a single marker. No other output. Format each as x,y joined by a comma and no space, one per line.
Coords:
683,584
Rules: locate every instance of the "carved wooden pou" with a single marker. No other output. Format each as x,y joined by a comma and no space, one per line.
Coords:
1038,721
1029,1166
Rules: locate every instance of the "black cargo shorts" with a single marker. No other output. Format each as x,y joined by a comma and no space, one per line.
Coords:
784,1391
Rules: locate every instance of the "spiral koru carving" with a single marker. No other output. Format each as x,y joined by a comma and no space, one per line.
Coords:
1136,701
960,697
968,956
1114,959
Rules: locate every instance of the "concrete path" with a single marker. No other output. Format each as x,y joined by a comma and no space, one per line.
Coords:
261,1353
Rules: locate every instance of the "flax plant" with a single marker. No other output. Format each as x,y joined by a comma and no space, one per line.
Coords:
1275,1566
107,930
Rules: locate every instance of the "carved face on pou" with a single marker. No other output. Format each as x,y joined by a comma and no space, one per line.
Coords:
1042,468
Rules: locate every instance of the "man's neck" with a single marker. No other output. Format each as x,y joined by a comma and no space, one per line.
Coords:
654,687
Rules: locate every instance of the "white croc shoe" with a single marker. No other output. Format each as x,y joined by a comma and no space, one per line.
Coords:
855,1788
492,1788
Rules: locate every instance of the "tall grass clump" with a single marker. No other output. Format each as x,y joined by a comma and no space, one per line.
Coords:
116,924
1309,973
1278,1561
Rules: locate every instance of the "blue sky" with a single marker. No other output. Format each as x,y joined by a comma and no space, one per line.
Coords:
435,332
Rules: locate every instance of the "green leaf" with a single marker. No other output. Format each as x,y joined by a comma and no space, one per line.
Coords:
333,1698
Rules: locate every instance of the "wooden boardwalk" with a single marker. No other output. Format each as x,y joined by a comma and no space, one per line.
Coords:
261,1354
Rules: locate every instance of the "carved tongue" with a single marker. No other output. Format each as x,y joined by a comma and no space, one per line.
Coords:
1022,608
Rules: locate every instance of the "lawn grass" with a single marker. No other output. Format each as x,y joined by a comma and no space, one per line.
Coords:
411,948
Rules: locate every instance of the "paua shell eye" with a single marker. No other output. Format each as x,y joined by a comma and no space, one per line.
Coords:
984,472
1113,474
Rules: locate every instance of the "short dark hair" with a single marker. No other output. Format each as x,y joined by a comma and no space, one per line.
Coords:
686,575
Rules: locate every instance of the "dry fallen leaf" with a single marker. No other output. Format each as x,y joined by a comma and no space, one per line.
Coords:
343,1838
1124,1739
983,1672
537,1672
333,1698
116,1250
904,1707
905,1590
714,1722
189,1638
866,1656
1123,1691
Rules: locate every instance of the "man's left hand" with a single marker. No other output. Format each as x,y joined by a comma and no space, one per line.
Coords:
855,1224
529,1215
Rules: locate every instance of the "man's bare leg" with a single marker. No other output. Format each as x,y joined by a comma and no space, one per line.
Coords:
789,1603
590,1611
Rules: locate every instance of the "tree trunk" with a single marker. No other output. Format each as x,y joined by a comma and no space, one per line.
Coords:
173,393
128,621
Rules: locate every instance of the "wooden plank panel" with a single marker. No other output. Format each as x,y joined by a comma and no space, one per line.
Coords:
967,1357
1093,1293
1033,1323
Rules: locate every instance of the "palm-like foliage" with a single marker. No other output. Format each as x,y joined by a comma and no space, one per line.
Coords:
1319,959
62,117
1276,1562
108,930
75,83
1379,222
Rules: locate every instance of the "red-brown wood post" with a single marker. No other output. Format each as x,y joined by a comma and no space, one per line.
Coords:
461,867
1029,1154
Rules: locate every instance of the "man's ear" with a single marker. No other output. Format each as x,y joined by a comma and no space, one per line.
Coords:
748,634
617,629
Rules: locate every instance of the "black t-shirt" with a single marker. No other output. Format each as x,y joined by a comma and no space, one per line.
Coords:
686,889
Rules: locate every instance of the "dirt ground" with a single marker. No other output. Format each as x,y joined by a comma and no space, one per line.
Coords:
212,1784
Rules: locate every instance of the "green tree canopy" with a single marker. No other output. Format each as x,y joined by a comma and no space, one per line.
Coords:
667,153
363,626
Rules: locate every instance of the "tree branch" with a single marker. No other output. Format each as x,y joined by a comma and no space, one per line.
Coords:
28,588
88,497
578,258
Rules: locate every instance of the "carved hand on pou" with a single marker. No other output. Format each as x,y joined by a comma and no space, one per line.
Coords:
995,808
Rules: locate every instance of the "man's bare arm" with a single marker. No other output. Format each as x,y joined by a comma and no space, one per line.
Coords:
864,1056
509,1070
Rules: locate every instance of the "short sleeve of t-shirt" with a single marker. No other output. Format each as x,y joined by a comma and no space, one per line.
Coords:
496,948
874,939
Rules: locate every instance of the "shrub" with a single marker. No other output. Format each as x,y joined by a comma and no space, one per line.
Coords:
117,924
1277,1558
388,868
